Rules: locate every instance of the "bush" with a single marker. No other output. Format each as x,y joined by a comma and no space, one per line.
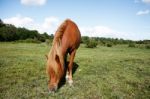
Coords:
29,41
91,44
131,45
109,45
147,46
85,39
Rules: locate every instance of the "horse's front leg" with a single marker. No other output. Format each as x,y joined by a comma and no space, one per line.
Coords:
69,69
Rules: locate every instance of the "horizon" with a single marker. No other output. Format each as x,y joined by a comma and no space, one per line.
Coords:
128,19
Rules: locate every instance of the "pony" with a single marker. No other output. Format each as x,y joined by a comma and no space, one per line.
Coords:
66,40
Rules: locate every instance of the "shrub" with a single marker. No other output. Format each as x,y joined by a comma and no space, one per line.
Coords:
91,44
147,46
85,39
29,41
131,45
109,45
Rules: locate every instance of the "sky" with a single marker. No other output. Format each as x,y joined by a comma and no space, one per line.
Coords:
127,19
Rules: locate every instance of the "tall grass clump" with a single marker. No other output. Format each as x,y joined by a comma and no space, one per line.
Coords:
48,42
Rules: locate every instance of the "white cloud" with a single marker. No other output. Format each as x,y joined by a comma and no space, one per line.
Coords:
49,24
19,20
33,2
143,12
96,30
102,31
146,1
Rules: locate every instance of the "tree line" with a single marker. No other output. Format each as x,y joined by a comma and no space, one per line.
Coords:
110,41
9,32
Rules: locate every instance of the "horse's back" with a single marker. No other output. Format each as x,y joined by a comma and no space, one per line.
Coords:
71,38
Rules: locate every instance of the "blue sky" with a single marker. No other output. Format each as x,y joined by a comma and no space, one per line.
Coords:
127,19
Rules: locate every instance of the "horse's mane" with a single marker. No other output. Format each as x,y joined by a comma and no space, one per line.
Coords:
60,31
56,48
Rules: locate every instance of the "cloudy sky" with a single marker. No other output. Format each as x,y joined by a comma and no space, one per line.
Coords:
127,19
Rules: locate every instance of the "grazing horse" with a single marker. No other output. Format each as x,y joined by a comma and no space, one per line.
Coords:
66,40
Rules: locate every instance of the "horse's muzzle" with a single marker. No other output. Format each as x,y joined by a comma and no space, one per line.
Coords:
52,89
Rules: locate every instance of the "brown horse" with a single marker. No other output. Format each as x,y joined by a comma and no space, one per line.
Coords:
66,40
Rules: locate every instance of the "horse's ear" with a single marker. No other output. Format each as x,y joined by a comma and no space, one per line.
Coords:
46,57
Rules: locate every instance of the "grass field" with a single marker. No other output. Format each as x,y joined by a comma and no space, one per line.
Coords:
118,72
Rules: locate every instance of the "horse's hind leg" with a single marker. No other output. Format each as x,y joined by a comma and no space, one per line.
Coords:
70,66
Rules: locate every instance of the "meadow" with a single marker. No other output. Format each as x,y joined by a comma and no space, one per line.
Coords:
117,72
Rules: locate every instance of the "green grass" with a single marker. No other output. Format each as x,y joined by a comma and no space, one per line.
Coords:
118,72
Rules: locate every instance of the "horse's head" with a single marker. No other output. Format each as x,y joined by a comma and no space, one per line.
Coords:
55,72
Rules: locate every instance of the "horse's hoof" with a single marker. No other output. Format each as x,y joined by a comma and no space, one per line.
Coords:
67,77
70,82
